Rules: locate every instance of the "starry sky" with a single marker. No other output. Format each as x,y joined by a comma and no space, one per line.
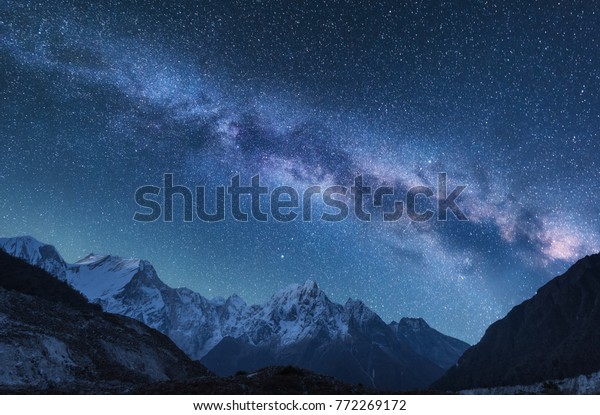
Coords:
99,99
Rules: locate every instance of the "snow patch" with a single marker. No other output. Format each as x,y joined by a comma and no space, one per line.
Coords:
580,385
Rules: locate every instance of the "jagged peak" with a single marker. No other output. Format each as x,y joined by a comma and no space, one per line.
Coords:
104,275
310,284
23,239
297,297
23,242
351,303
34,252
236,302
114,261
413,323
91,257
308,289
234,298
311,289
357,308
356,305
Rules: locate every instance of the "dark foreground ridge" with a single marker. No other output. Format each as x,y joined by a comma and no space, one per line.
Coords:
553,335
276,380
52,339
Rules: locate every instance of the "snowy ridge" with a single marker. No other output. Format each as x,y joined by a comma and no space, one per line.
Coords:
293,318
101,276
296,313
36,253
131,287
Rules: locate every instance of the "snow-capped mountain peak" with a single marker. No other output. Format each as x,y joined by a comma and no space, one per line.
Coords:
100,277
115,262
297,312
235,302
295,298
35,253
306,293
310,288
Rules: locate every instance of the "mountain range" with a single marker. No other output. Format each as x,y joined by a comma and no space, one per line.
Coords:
56,331
298,325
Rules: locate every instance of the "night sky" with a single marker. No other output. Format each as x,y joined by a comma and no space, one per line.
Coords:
99,99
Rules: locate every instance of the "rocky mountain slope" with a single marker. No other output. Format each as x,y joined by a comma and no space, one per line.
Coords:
52,338
554,335
443,350
299,325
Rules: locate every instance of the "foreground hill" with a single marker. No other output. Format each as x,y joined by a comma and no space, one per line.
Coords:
52,338
554,335
276,380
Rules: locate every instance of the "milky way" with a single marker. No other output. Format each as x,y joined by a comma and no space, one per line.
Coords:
98,100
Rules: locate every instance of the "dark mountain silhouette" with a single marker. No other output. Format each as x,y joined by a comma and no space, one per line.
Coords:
554,335
442,350
276,380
